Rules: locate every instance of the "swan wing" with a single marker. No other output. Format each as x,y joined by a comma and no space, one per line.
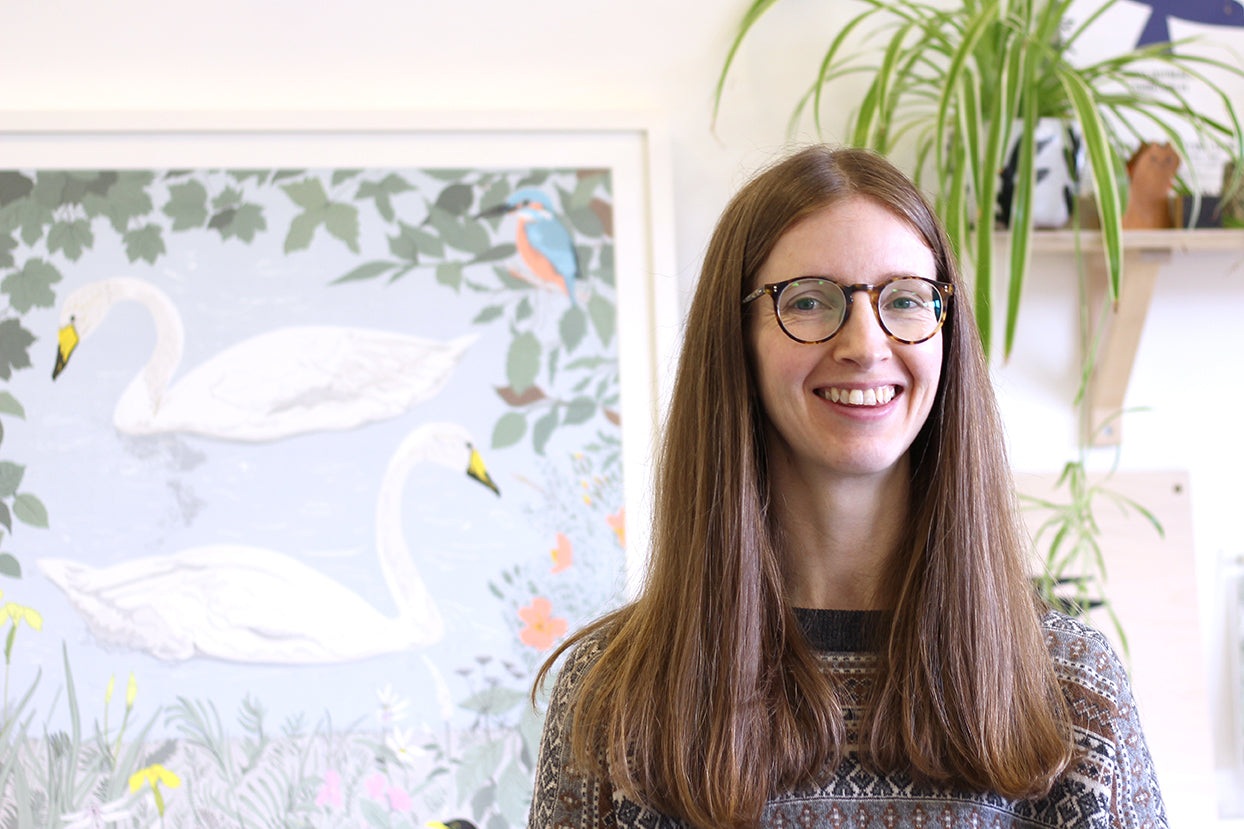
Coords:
304,379
230,602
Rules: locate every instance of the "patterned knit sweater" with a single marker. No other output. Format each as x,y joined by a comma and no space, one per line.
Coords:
1113,786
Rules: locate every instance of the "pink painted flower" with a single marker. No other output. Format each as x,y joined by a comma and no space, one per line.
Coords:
399,801
563,555
330,792
375,786
542,628
617,523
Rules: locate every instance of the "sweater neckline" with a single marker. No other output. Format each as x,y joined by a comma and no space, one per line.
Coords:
839,631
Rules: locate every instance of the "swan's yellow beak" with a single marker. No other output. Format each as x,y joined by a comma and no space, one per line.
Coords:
476,470
66,342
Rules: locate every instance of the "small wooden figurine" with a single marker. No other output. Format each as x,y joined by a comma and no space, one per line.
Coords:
1151,171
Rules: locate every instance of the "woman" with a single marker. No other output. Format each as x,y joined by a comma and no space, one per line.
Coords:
837,626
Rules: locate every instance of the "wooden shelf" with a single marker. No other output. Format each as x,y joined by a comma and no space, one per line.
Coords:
1144,253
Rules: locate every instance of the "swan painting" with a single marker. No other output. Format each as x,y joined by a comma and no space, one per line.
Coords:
284,382
248,604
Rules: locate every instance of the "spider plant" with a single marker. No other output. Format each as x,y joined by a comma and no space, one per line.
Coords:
958,78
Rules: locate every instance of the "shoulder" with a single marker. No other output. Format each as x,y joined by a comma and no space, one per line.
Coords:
1083,656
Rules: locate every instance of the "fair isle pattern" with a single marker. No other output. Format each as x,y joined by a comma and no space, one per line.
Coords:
1112,787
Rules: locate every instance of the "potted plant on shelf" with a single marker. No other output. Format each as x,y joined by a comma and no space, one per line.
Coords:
958,79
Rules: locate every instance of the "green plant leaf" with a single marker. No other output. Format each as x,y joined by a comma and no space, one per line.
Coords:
342,221
10,478
494,701
509,430
30,510
572,327
145,243
15,342
244,223
301,231
70,238
187,205
10,566
308,194
753,13
522,362
604,317
368,270
8,403
543,429
487,314
450,273
31,287
579,410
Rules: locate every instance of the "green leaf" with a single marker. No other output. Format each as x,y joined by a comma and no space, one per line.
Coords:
342,221
524,310
488,314
10,478
496,252
542,430
31,287
456,199
70,238
229,197
580,410
479,764
604,272
6,517
573,327
8,403
308,194
450,273
15,344
368,270
405,243
127,199
509,430
466,235
522,362
585,220
13,186
10,566
187,205
301,231
146,243
30,510
7,244
245,223
493,701
604,318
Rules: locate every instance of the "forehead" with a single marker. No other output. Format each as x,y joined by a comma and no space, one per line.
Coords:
853,241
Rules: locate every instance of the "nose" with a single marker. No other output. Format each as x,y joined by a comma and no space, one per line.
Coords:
861,340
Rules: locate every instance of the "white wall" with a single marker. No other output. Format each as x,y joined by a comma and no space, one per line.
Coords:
658,57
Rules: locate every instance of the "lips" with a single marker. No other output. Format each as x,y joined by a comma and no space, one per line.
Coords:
878,396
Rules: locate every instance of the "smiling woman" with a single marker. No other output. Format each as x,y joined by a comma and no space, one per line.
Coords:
837,621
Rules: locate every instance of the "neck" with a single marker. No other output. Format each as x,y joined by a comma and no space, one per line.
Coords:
838,534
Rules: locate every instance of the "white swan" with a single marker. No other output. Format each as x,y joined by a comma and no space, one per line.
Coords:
248,604
281,383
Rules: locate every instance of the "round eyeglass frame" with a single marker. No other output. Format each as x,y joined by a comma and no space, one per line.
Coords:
774,289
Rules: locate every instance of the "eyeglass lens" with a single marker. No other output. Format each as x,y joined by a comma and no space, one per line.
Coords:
814,309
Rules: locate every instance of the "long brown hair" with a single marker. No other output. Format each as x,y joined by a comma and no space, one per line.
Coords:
707,699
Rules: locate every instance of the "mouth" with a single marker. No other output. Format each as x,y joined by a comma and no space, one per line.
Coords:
878,396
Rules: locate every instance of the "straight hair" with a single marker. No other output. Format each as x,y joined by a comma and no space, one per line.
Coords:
707,699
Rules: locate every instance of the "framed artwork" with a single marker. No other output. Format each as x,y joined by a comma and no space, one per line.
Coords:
319,433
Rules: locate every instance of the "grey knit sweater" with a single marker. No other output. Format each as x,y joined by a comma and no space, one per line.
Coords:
1112,786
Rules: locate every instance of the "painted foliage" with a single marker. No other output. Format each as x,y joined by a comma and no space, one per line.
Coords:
302,474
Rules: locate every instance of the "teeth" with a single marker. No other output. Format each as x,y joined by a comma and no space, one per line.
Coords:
860,397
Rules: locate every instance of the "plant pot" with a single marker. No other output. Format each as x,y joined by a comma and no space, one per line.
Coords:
1059,162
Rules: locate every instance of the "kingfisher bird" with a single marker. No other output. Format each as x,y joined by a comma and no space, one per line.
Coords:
544,243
